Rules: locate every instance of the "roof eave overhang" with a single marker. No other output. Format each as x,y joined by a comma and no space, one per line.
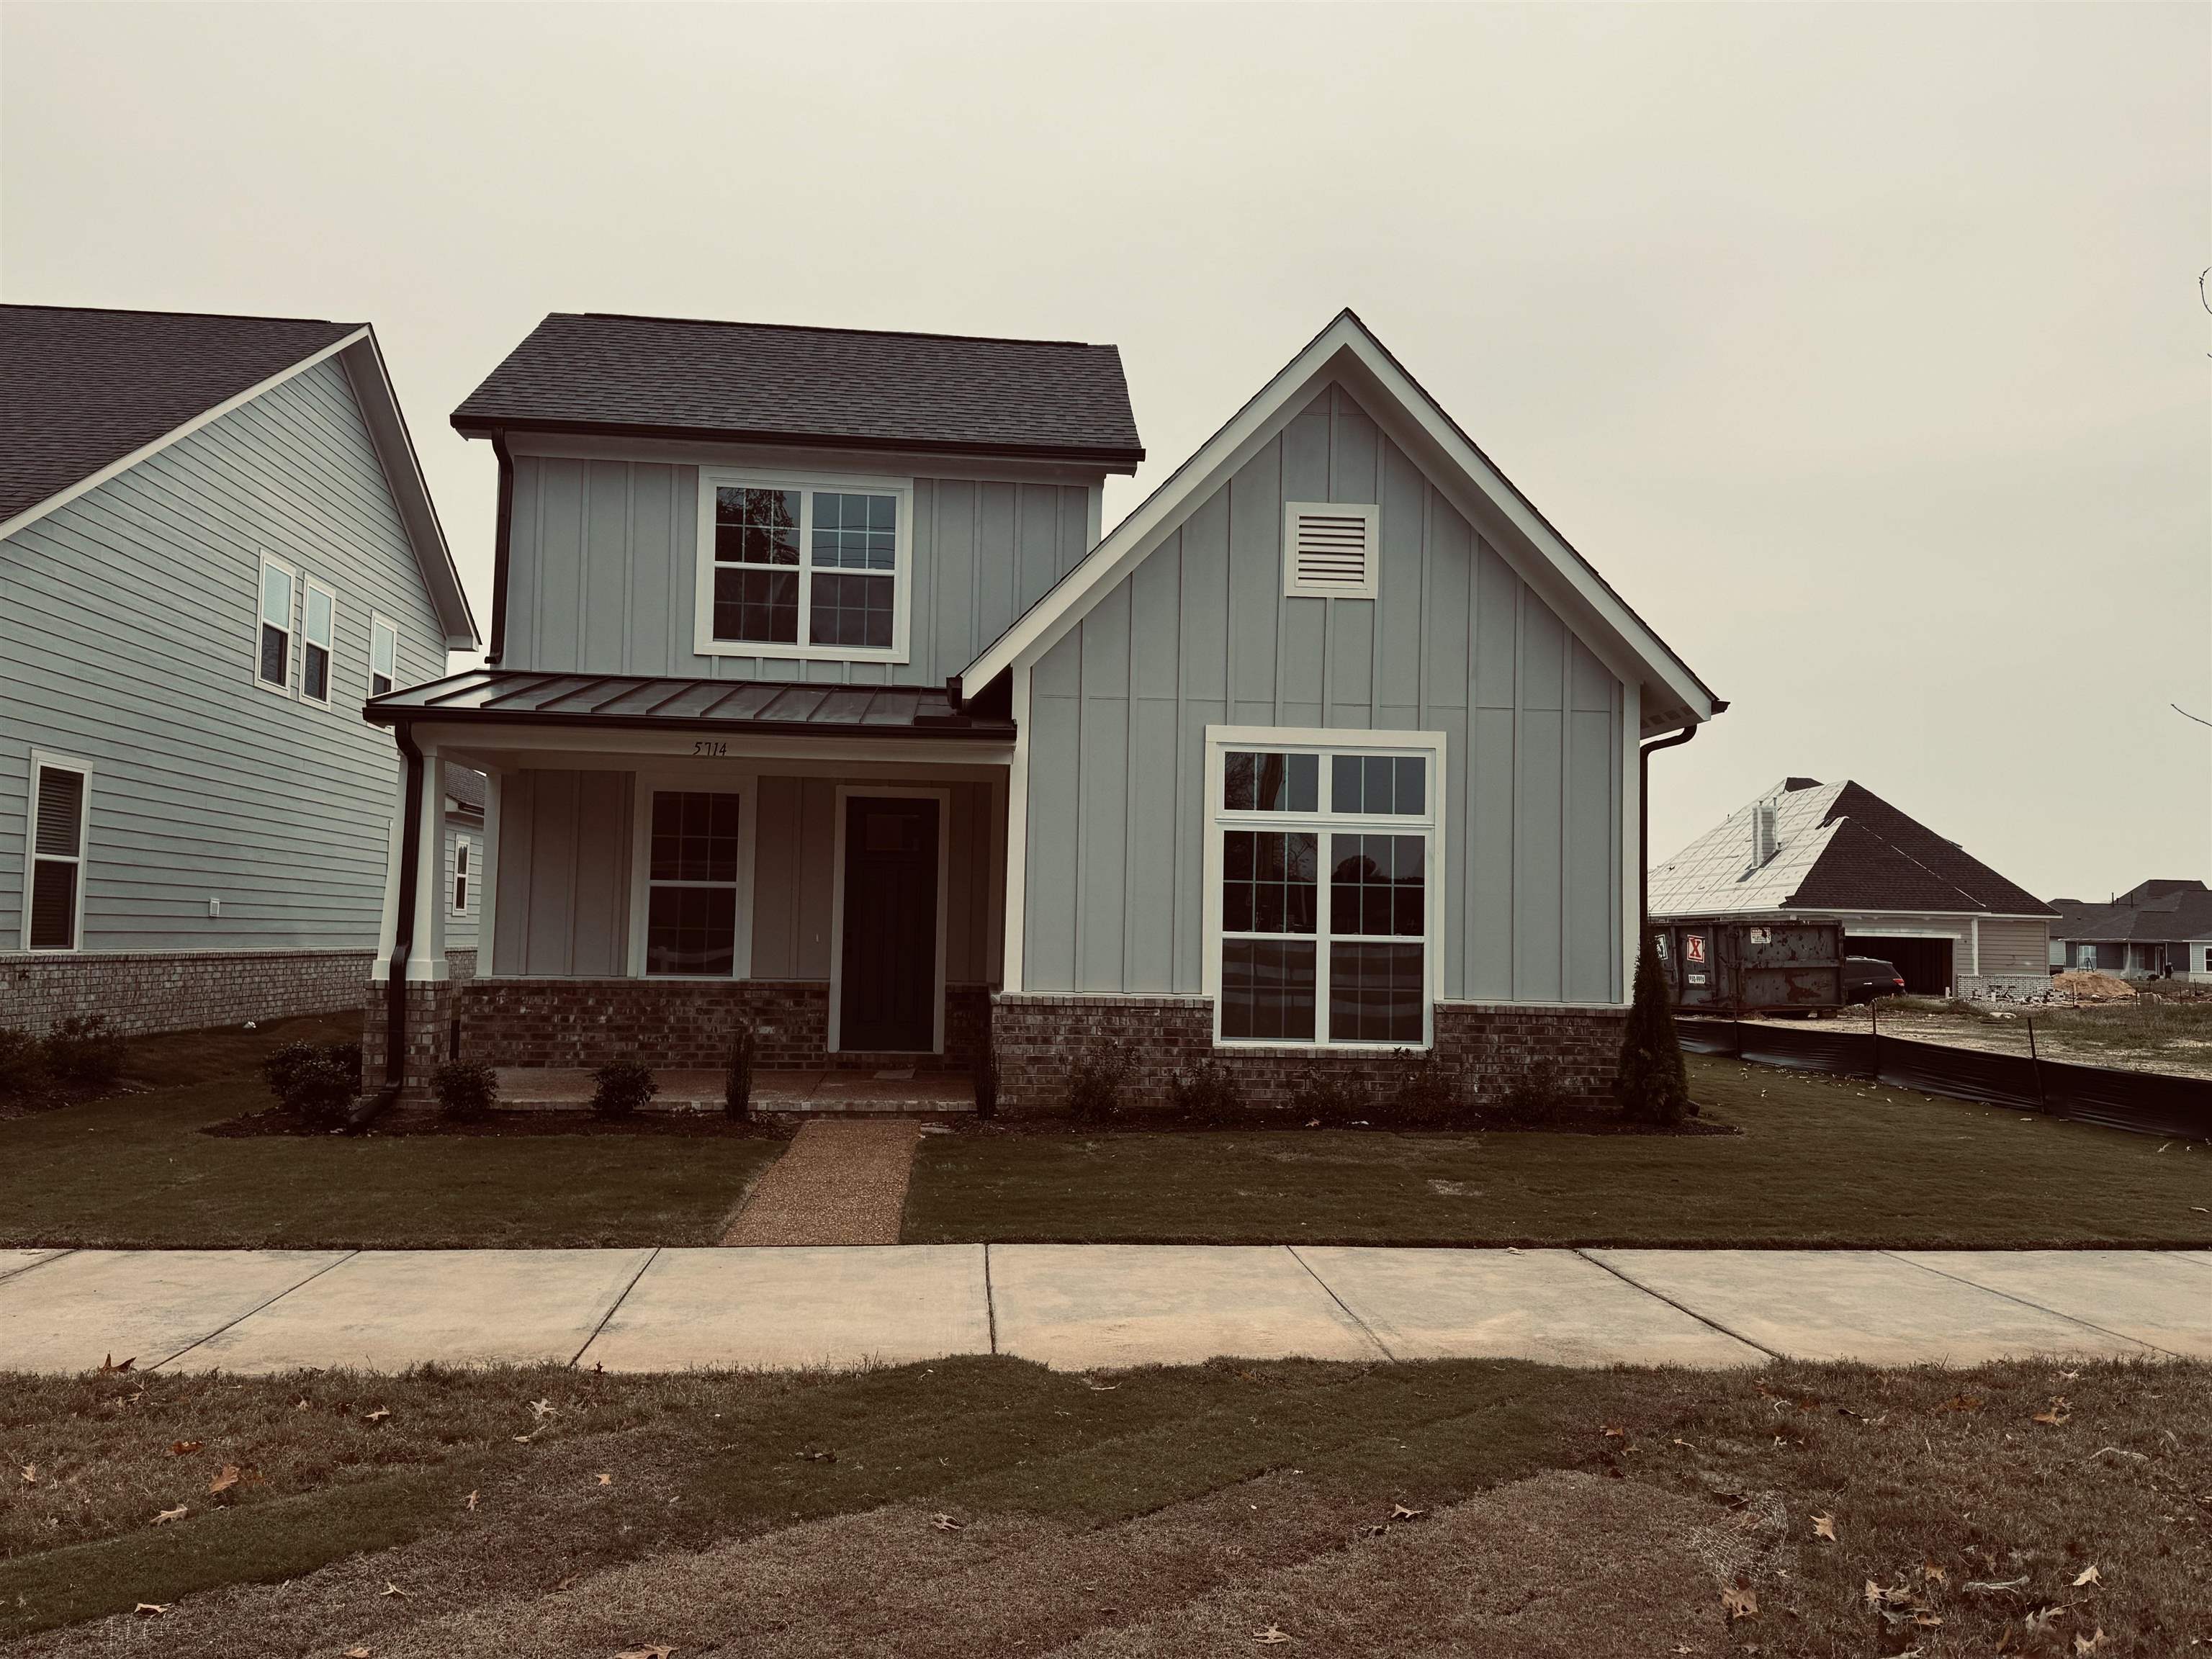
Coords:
935,729
1109,459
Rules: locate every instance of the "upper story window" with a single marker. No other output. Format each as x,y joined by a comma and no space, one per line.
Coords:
807,568
318,621
383,655
279,595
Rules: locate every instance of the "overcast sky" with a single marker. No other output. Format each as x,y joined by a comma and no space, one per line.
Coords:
1859,347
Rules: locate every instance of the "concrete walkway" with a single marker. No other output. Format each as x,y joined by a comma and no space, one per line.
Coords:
1079,1307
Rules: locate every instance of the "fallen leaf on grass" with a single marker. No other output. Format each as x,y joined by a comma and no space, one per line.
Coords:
607,1480
944,1523
810,1456
1273,1636
225,1478
1738,1601
30,1475
2088,1576
1823,1526
359,1653
183,1447
2057,1414
1961,1402
391,1588
650,1650
470,1502
151,1609
176,1514
1933,1574
109,1364
541,1409
2090,1644
1685,1445
1399,1512
376,1416
1992,1586
1610,1432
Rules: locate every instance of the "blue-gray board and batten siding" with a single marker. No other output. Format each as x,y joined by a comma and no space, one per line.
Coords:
128,623
601,573
1200,634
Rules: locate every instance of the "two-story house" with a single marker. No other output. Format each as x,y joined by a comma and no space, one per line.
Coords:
817,698
215,545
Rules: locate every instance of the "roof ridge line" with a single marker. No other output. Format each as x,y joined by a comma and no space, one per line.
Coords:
149,310
835,328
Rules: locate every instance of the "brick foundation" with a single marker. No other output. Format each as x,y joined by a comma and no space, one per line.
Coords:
429,1036
148,991
1036,1038
675,1023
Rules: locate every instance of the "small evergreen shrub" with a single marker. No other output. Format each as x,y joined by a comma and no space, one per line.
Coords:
1653,1086
1206,1091
986,1082
281,1066
22,1065
1328,1096
623,1087
346,1056
737,1086
322,1092
467,1090
1535,1097
1439,1094
1094,1084
84,1050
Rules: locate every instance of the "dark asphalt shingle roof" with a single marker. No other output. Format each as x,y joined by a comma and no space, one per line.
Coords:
514,695
1879,859
2181,910
669,377
80,388
465,786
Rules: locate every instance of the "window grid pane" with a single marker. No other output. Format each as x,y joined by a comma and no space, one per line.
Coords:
1268,881
1373,786
691,930
851,610
756,604
1267,989
315,672
756,526
61,811
53,905
1375,992
695,838
856,532
1378,886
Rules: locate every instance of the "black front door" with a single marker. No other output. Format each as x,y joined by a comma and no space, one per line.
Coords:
889,1000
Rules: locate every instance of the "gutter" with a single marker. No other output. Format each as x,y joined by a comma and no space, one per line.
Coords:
1643,754
502,535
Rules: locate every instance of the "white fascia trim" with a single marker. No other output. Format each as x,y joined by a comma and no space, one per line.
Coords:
1275,403
62,498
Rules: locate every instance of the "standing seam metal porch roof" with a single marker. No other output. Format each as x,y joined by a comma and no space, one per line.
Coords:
773,706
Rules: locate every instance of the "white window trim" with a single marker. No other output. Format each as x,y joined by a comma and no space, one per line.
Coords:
377,620
943,797
330,646
465,870
703,641
746,785
42,759
1369,513
270,561
1324,742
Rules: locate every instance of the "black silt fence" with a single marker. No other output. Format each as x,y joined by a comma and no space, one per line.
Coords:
2147,1102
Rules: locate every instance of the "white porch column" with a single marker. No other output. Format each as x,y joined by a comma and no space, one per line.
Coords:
426,957
486,876
387,926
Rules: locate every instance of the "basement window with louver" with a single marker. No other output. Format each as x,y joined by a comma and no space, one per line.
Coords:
1329,550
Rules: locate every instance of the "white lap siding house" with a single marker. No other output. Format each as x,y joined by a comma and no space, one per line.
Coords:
817,699
215,545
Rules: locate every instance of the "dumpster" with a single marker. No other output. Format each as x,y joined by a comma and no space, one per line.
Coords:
1726,965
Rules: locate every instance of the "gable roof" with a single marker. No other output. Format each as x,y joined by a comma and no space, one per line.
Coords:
2152,912
86,393
1837,847
841,387
1348,350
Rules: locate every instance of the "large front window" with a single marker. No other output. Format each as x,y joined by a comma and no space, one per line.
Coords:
796,568
691,883
1324,869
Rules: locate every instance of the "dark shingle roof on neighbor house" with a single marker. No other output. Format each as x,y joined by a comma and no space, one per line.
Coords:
844,387
2152,912
82,388
1839,846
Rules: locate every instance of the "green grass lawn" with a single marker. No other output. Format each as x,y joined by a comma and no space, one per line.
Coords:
1821,1162
986,1506
135,1171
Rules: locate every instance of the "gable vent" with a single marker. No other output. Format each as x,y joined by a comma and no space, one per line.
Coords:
1329,550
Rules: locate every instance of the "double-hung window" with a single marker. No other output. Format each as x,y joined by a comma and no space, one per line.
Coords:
319,622
383,655
692,877
61,802
1325,889
800,568
463,848
280,586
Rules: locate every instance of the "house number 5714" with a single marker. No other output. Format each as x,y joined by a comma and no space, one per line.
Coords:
707,747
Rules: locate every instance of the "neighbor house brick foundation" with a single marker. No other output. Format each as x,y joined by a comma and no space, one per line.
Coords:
145,991
684,1022
1038,1038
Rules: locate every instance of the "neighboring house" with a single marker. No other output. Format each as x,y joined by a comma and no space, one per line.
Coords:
214,545
816,696
465,856
2156,930
1838,851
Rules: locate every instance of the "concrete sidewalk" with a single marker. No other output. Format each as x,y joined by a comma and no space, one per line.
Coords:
1079,1307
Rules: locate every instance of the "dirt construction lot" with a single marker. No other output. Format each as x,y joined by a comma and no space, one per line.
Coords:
2144,1034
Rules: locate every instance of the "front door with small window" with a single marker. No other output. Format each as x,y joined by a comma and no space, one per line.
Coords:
888,994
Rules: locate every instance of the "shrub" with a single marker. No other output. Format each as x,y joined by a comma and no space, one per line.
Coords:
281,1066
84,1049
1653,1086
1438,1093
467,1090
1328,1096
1094,1084
1535,1097
986,1082
322,1092
1207,1091
346,1056
22,1065
624,1085
737,1086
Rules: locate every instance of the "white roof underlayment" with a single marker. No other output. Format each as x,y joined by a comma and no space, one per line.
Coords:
1714,874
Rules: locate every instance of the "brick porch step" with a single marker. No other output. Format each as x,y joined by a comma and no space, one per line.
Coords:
841,1094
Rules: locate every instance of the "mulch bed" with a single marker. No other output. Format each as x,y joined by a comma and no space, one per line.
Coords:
1592,1123
691,1126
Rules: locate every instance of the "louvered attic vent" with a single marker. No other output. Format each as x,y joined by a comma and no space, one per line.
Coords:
1329,550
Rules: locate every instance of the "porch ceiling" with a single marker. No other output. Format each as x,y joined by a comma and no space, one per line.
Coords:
516,697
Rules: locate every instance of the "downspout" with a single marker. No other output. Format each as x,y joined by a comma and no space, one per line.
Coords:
502,532
403,927
1643,821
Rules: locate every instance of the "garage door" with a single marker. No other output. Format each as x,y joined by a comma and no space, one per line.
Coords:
1925,963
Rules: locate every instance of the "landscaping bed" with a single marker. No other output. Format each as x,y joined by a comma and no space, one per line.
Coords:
991,1507
510,1125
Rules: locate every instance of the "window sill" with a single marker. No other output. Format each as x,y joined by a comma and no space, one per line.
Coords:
799,652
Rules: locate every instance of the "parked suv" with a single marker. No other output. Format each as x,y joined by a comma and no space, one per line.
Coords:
1866,978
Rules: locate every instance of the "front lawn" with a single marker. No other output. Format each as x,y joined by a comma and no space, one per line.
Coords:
1821,1161
986,1506
134,1171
